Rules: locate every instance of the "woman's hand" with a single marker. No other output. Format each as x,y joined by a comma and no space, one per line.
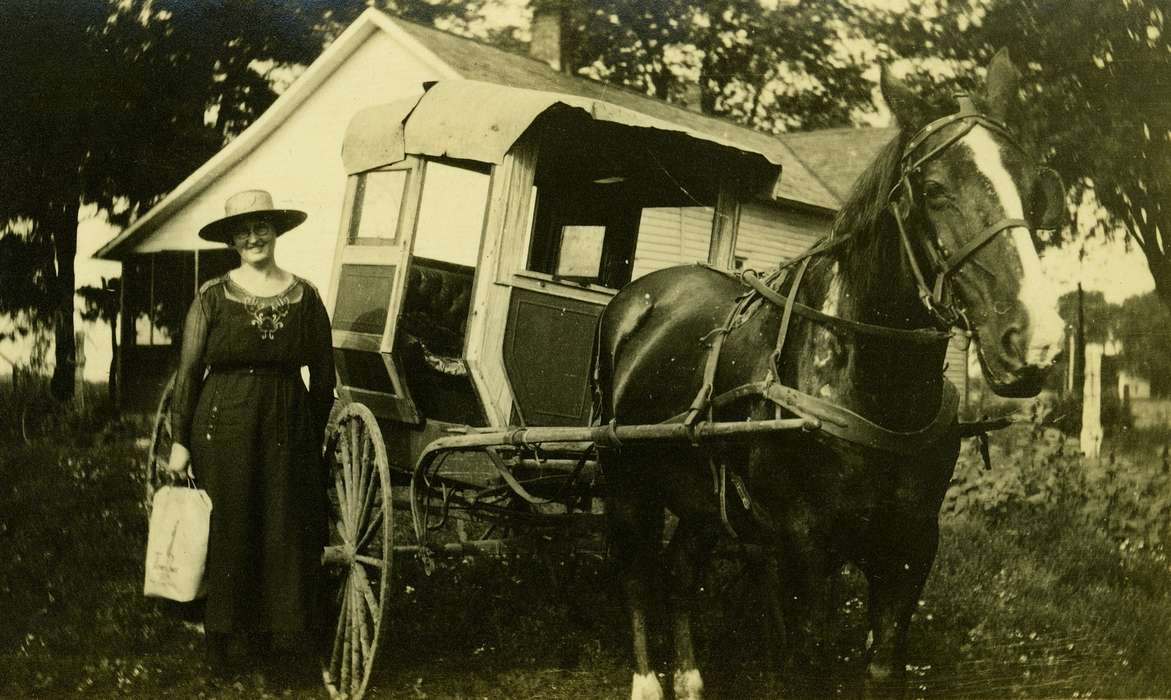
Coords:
179,464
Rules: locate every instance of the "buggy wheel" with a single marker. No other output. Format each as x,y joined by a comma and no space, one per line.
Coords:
159,453
359,551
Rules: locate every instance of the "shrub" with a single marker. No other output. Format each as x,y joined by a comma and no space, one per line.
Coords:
29,413
1037,470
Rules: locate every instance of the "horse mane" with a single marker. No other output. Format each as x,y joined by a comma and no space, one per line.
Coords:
860,217
860,227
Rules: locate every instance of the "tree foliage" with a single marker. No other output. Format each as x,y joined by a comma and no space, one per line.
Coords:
1142,325
775,67
112,103
1096,314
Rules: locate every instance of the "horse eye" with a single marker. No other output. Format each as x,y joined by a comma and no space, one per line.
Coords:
934,191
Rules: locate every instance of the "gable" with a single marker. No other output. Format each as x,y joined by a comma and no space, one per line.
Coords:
293,149
299,162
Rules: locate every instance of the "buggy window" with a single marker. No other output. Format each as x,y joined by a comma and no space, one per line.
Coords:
377,203
451,214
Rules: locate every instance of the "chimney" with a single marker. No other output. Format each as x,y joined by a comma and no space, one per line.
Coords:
692,97
546,31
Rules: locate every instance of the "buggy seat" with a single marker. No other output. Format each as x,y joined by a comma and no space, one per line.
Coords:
435,312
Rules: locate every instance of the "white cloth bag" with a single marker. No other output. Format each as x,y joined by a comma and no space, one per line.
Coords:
176,547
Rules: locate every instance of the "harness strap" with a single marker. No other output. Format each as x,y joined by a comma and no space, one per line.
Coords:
783,331
850,426
921,336
977,242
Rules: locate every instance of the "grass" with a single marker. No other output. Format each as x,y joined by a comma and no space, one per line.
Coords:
1023,601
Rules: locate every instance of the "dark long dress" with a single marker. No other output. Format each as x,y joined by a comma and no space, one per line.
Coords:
255,436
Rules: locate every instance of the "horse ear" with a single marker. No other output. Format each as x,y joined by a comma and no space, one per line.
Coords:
909,109
1001,90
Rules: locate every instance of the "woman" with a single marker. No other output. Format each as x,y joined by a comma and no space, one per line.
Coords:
251,435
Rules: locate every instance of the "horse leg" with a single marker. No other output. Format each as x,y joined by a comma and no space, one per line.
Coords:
692,540
766,577
810,617
895,582
635,529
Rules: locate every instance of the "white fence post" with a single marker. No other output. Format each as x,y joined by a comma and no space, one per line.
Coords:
1091,438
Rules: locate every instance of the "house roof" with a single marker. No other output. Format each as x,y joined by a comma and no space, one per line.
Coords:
838,156
458,57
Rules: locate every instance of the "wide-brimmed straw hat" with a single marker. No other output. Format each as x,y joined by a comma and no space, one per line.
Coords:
247,204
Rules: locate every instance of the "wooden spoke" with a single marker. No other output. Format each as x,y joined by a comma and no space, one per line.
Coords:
363,586
343,506
369,531
343,482
355,447
159,453
362,518
344,662
380,563
355,648
333,667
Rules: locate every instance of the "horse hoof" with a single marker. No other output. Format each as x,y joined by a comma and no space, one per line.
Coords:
688,685
646,686
883,682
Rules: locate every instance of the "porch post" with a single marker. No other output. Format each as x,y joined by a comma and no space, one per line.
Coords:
120,354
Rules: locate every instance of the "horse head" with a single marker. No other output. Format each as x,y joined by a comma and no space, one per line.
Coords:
967,202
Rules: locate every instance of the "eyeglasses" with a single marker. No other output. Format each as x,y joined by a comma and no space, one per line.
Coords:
257,229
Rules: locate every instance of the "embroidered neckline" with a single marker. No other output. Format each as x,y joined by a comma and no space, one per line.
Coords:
268,312
247,294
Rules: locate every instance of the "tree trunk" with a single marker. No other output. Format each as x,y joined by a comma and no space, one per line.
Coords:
62,224
1148,227
1161,272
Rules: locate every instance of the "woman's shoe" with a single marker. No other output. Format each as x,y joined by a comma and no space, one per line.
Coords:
218,657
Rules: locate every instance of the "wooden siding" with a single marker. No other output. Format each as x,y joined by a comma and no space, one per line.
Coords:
671,236
769,234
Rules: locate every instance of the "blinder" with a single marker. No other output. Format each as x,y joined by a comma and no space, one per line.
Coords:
1047,204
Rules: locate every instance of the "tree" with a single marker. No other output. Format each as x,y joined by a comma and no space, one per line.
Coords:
113,102
1097,313
774,67
1143,329
1097,85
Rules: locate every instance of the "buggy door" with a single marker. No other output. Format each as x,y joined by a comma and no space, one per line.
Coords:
369,282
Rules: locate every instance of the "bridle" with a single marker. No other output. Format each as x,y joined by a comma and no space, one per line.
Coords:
934,295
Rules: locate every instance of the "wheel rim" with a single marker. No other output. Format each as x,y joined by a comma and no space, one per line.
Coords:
359,550
161,439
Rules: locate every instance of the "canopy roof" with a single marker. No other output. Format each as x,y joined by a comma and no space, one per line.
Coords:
472,120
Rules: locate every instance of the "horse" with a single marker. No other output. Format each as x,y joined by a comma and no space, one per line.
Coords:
935,241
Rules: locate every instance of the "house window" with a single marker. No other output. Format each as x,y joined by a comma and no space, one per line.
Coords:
159,289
